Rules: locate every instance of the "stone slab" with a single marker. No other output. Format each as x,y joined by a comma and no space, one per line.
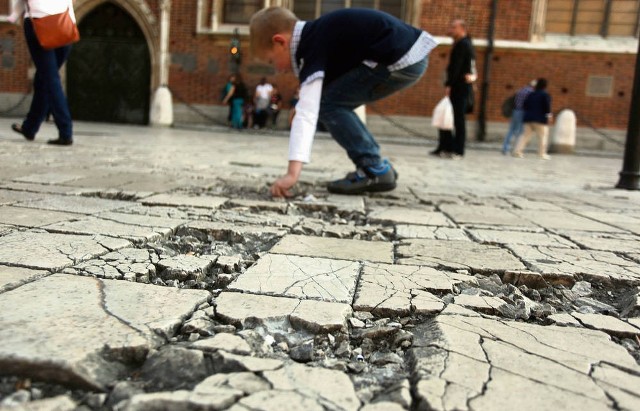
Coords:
256,219
519,237
316,316
184,200
433,233
456,255
616,243
623,221
405,215
184,267
39,188
93,225
480,363
74,204
13,277
53,251
225,342
564,320
483,216
11,197
398,290
342,249
53,177
484,304
578,264
608,324
29,217
258,205
222,231
131,264
144,220
300,277
96,321
564,220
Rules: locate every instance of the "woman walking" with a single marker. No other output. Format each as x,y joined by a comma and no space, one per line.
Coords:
537,114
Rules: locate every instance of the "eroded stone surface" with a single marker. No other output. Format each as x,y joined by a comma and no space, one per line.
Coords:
90,314
53,251
93,225
72,204
355,250
29,217
130,264
300,277
456,255
432,233
403,215
519,237
12,277
184,200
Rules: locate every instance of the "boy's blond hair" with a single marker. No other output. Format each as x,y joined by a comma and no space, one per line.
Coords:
265,24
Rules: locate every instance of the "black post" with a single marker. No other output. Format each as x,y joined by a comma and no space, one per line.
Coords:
630,174
484,91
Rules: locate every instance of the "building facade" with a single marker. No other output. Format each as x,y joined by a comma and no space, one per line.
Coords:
140,61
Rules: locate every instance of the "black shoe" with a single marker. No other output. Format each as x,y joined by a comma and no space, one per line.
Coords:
18,129
361,181
435,152
61,142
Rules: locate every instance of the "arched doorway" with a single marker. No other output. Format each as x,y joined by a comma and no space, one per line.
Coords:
109,70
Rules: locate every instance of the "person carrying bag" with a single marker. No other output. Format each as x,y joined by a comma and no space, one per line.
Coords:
49,29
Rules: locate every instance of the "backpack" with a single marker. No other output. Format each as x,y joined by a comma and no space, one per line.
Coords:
508,105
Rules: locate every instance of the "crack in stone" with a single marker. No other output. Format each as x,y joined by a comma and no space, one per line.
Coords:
103,305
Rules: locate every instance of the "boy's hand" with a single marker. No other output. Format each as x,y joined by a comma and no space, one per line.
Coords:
282,185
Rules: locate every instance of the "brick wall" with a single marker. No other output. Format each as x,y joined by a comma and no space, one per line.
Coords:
14,60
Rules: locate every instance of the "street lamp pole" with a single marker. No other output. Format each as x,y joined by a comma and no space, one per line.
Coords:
630,174
481,132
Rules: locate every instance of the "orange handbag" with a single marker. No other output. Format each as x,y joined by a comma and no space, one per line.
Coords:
56,30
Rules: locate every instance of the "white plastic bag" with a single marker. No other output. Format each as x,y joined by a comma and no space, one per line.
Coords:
443,115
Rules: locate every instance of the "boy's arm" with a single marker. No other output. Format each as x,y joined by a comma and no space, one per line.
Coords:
303,130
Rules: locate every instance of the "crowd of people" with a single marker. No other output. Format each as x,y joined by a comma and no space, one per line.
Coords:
258,109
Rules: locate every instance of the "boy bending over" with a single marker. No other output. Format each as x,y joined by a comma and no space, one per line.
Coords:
343,59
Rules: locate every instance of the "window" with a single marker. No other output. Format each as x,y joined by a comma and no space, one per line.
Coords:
240,11
311,9
593,17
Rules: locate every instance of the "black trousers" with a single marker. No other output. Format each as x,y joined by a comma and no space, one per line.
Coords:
454,142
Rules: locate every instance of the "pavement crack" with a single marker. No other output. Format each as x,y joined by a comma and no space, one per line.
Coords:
103,305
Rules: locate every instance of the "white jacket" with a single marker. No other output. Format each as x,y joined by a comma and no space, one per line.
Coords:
40,8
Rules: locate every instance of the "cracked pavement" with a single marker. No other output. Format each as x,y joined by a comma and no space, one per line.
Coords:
149,269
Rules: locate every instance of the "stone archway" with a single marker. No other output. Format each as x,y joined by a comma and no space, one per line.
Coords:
109,71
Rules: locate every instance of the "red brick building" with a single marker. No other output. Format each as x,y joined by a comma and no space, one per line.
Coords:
129,48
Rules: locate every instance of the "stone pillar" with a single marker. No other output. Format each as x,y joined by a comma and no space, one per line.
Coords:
563,138
161,113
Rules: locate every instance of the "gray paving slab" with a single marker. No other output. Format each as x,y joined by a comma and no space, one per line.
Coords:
38,188
12,197
96,321
623,221
30,217
13,277
497,236
404,215
111,228
40,250
129,264
434,233
261,218
457,255
300,277
564,220
397,290
185,200
224,231
527,204
355,250
617,243
52,177
483,215
560,264
488,364
74,204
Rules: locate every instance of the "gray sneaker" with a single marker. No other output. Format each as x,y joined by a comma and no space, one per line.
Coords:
361,181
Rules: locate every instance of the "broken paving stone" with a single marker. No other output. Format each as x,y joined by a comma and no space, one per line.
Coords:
404,215
302,353
143,220
58,403
93,318
404,231
93,225
605,242
29,217
483,215
214,400
355,250
221,231
225,342
128,263
184,200
278,400
630,305
335,391
257,205
597,306
487,305
185,267
14,277
227,362
383,406
172,368
608,324
229,263
621,386
53,251
246,382
74,204
203,326
256,219
502,236
300,277
557,263
314,316
564,220
456,309
456,255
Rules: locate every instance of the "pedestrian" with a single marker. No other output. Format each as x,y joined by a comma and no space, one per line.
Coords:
262,99
48,95
459,87
537,114
225,93
275,105
343,59
237,95
517,117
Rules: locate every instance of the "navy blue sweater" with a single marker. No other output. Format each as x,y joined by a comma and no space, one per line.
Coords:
340,41
536,107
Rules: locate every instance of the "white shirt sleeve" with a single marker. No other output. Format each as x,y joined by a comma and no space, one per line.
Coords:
303,128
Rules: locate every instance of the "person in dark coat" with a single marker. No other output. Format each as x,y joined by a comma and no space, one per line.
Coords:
537,115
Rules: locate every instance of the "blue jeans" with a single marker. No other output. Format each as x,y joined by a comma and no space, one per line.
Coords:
515,130
360,86
48,96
